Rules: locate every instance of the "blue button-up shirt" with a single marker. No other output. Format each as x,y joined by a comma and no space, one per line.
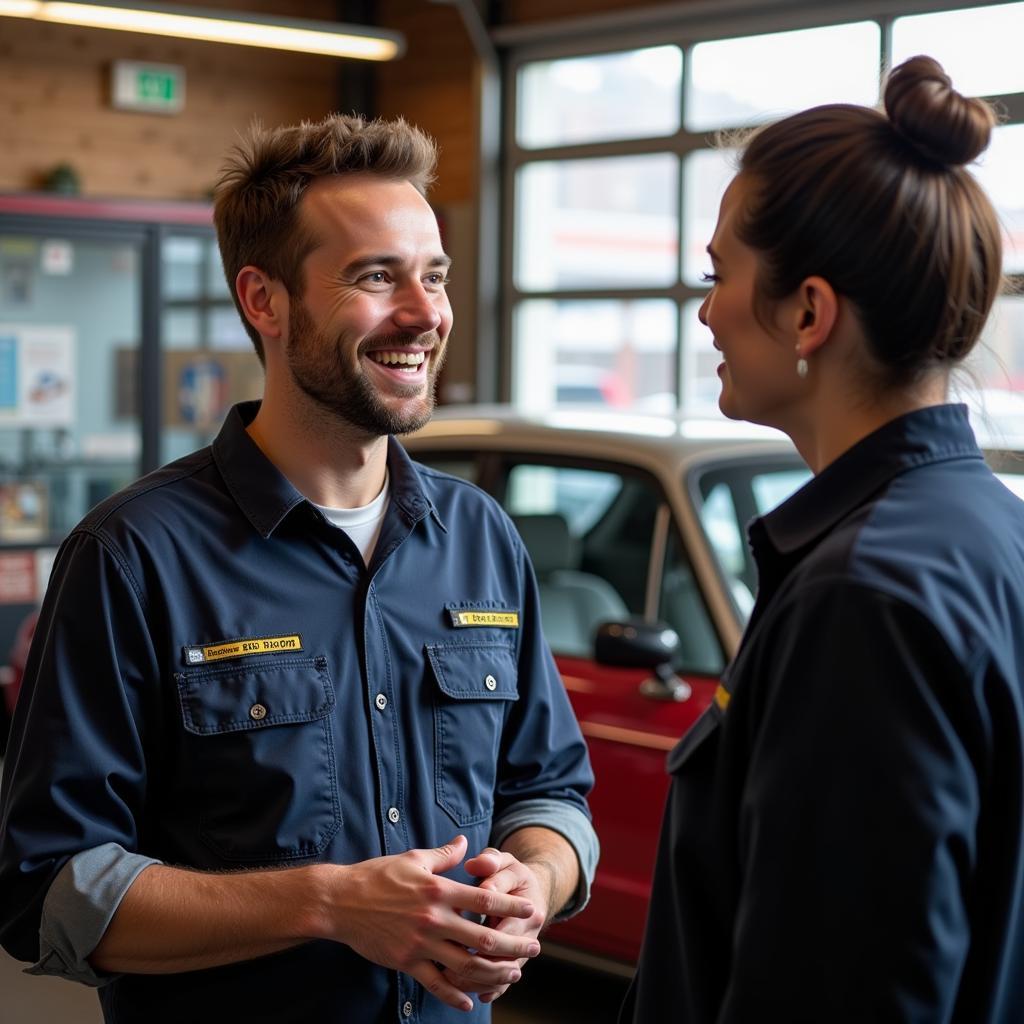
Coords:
219,681
844,835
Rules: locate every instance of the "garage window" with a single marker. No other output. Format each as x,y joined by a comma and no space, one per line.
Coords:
614,178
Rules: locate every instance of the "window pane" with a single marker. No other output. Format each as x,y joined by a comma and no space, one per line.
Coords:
225,330
706,174
592,223
993,385
216,283
599,353
1000,172
182,267
979,48
758,78
558,511
634,94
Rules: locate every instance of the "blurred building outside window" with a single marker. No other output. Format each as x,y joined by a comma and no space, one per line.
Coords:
617,162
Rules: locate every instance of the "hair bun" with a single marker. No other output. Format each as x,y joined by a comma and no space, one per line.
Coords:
933,117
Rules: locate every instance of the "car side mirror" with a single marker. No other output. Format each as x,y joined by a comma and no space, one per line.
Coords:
637,643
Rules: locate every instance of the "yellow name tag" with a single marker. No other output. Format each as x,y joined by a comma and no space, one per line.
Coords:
243,648
503,620
722,697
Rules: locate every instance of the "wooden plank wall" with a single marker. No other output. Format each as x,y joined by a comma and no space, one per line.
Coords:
54,88
54,104
433,85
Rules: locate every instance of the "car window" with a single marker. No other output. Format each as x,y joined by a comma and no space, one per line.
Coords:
728,498
589,532
582,496
772,489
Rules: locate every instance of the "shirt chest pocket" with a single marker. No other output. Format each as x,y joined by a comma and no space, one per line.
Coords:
474,688
261,750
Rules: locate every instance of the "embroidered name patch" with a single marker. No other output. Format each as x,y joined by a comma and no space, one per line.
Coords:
243,648
500,619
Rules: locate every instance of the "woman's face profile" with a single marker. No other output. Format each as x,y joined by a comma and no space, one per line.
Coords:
758,368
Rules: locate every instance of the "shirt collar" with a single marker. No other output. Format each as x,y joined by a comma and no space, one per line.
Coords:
266,496
918,438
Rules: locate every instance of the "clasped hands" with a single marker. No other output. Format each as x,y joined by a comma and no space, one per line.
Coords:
400,912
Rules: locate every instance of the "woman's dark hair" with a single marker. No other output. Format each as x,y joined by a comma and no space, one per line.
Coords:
881,206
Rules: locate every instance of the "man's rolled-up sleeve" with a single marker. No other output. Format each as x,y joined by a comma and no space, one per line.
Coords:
79,905
76,773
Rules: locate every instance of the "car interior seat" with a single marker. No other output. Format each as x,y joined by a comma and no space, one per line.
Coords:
573,603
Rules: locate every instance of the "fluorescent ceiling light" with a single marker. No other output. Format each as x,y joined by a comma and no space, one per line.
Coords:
323,37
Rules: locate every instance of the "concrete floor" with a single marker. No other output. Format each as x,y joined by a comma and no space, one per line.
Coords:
550,993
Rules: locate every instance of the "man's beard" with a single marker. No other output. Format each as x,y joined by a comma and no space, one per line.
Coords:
318,368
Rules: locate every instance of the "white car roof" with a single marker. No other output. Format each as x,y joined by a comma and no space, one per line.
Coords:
659,442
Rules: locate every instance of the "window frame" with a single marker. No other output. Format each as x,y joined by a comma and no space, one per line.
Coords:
686,27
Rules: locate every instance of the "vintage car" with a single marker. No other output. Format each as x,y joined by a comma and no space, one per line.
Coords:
636,530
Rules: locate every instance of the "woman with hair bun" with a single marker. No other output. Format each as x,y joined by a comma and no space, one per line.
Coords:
843,835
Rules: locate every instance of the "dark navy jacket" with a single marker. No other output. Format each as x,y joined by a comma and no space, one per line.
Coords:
218,681
843,835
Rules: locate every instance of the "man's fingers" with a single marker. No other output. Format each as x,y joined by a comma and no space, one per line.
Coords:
489,902
444,858
440,987
491,942
487,862
479,974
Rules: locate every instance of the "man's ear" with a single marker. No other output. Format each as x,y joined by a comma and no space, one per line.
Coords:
264,301
815,314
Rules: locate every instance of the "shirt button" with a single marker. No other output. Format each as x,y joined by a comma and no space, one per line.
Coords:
393,815
490,682
257,712
407,1009
381,701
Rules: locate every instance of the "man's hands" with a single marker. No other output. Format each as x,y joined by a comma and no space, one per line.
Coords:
399,912
502,873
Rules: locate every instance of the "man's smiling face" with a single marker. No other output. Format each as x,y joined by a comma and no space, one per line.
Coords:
368,337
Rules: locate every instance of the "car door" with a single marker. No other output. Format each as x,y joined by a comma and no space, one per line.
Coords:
605,548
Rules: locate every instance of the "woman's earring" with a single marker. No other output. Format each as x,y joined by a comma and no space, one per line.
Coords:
801,366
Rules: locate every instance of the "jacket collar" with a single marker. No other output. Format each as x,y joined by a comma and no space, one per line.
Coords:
266,497
935,434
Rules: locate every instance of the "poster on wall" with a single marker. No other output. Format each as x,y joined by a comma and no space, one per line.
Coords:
37,375
199,385
24,511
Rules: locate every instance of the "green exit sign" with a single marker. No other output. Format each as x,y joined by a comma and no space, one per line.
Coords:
157,88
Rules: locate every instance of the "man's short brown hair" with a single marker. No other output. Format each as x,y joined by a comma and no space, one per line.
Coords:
256,200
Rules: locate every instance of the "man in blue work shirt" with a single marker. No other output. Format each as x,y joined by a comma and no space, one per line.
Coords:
280,688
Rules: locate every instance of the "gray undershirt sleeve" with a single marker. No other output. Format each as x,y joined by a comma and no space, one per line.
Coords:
78,908
570,823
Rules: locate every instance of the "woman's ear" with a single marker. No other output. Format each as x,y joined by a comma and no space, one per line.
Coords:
264,302
814,314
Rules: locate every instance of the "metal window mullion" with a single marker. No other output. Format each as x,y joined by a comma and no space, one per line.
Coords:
150,368
684,26
1010,106
885,23
681,143
685,84
678,292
